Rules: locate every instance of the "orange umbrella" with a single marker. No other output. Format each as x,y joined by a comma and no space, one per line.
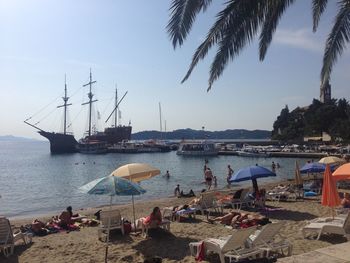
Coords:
342,173
330,196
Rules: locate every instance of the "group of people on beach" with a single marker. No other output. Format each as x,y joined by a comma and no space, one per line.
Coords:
65,221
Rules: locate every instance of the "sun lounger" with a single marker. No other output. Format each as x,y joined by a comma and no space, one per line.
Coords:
165,224
266,239
110,219
8,238
337,226
169,213
207,202
232,246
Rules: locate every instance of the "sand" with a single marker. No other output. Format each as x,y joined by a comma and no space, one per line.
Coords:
84,246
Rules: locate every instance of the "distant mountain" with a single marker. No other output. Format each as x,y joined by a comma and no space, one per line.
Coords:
11,138
200,134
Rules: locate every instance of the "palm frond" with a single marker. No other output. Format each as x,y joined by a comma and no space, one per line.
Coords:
276,9
336,40
240,32
213,36
318,6
183,14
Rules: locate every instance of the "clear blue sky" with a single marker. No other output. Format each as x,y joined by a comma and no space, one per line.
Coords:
125,42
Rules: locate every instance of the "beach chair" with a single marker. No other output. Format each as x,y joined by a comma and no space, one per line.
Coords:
168,213
165,224
233,246
266,240
8,238
338,226
244,200
207,202
110,219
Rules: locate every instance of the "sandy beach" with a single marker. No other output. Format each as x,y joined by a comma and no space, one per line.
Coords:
84,246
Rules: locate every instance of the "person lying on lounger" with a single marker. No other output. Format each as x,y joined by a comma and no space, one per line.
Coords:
237,219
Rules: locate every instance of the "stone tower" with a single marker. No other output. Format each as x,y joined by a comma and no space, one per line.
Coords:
325,92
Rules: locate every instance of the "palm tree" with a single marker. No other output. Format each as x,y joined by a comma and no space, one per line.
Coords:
241,20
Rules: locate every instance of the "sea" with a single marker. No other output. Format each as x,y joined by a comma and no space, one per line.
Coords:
34,182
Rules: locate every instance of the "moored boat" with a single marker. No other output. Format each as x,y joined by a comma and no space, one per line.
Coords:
204,148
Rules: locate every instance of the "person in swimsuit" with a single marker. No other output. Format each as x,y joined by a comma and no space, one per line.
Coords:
208,175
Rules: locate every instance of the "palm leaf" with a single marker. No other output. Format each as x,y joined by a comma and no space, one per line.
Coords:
276,9
336,40
318,6
240,32
183,14
213,36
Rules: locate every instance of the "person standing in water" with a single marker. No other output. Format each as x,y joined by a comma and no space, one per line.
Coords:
229,174
208,175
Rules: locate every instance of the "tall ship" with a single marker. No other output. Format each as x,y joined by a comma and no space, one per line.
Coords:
94,141
98,142
59,142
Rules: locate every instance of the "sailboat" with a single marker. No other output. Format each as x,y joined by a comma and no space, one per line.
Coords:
93,142
98,142
59,142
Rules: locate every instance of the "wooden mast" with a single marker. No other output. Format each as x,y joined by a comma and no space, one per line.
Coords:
65,99
90,96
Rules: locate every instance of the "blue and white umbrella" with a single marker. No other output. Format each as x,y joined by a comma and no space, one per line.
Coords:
111,185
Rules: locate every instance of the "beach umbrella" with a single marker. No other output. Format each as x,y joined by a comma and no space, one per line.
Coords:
111,185
330,196
136,172
342,173
332,160
298,179
315,168
252,173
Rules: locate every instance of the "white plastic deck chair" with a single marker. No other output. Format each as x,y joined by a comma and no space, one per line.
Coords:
238,203
8,238
207,202
265,239
165,224
111,218
232,246
337,226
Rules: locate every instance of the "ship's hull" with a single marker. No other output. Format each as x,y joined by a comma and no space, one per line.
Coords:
113,135
60,143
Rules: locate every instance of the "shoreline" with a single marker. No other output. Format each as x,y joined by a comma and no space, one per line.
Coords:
89,211
84,246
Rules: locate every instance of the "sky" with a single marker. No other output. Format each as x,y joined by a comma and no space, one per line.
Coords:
125,43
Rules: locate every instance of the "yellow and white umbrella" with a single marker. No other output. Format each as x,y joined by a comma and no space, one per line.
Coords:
136,172
332,160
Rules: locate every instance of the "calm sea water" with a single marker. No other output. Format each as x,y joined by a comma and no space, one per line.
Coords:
34,182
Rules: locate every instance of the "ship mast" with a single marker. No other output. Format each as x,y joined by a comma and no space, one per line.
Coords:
65,99
116,106
90,95
160,122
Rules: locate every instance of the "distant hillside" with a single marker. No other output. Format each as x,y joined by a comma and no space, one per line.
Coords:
200,134
11,138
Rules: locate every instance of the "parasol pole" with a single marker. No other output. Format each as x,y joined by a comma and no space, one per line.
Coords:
133,211
108,229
